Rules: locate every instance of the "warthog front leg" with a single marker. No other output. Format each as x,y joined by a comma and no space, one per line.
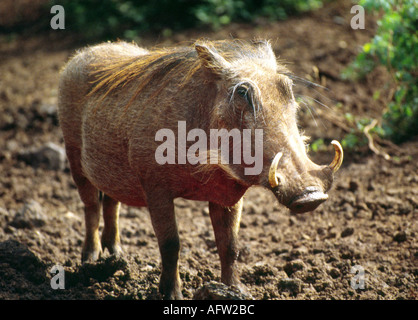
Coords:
165,228
225,221
92,206
92,248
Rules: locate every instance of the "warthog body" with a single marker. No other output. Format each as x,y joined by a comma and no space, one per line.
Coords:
113,99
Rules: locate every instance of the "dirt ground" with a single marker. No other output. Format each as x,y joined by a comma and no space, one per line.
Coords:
369,224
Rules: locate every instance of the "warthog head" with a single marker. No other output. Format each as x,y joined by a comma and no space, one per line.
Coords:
254,91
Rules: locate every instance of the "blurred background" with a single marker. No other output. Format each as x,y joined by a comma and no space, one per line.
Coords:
392,39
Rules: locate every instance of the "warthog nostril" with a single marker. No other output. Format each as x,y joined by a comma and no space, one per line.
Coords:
309,200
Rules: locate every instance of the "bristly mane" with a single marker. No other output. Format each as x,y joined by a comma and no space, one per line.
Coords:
159,66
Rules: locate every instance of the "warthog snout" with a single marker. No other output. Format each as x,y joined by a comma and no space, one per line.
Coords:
308,198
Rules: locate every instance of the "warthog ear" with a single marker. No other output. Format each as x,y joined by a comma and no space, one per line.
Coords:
211,60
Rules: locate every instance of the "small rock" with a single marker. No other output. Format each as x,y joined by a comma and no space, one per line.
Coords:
30,216
219,291
334,273
119,274
339,20
147,268
347,232
71,216
305,236
353,186
48,109
294,266
49,156
298,252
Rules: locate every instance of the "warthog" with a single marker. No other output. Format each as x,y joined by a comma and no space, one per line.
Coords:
113,99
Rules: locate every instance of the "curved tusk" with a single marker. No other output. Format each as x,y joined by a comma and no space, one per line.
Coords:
273,180
338,158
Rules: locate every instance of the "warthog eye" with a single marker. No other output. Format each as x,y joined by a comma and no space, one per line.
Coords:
245,93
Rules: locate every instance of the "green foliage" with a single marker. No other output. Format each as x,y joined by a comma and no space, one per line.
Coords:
216,13
127,18
394,46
